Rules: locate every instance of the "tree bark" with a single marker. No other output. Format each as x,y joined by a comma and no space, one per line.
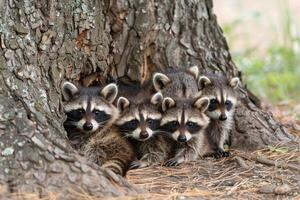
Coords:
43,43
158,34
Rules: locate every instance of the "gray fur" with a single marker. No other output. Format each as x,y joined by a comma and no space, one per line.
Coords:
102,145
193,147
219,87
183,84
181,93
155,149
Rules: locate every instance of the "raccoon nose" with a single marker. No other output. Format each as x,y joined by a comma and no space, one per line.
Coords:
144,135
88,126
223,117
181,138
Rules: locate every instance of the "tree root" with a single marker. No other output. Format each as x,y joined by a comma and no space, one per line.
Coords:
241,162
263,160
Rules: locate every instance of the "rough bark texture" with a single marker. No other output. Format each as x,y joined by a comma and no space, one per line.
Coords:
151,35
45,42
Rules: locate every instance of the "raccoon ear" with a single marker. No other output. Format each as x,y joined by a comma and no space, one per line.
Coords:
202,104
234,82
203,81
69,90
110,92
122,104
160,80
157,98
194,71
168,103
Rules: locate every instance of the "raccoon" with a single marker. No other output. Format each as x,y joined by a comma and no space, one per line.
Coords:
90,115
110,150
139,122
183,117
177,83
223,98
184,120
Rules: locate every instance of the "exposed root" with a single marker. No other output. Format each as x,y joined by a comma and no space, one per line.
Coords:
264,160
241,162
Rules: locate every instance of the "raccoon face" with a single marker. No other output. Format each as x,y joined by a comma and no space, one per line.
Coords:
222,99
89,109
183,121
140,121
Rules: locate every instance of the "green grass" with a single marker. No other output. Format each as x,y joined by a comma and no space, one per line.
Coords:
273,75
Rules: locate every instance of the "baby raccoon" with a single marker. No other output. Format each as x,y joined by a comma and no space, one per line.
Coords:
139,122
177,83
185,121
183,117
90,115
88,110
223,98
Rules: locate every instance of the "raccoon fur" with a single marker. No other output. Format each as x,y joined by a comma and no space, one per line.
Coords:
90,115
184,121
139,122
177,83
223,99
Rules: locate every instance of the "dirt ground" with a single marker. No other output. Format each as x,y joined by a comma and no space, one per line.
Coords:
271,173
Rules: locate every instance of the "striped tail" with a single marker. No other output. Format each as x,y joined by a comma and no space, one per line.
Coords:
117,165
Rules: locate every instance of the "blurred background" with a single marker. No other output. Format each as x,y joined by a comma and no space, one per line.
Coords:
264,41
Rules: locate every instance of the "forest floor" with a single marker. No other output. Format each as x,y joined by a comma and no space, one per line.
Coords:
271,173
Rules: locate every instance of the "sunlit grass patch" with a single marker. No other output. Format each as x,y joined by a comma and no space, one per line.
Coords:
275,77
272,72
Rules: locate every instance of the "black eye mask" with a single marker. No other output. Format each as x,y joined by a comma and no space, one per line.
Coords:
192,127
153,124
213,105
101,116
129,126
75,115
170,127
228,105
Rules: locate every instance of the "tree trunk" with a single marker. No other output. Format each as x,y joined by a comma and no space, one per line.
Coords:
43,43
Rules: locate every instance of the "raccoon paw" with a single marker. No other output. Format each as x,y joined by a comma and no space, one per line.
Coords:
138,164
172,162
220,153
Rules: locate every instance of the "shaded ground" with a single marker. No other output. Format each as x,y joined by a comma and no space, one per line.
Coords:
271,173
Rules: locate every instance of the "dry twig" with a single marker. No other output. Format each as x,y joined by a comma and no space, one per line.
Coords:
263,160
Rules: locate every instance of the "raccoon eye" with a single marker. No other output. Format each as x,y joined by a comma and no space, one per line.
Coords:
213,101
175,123
75,115
80,111
213,105
152,123
133,123
191,124
192,127
97,112
149,121
170,127
228,104
129,126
